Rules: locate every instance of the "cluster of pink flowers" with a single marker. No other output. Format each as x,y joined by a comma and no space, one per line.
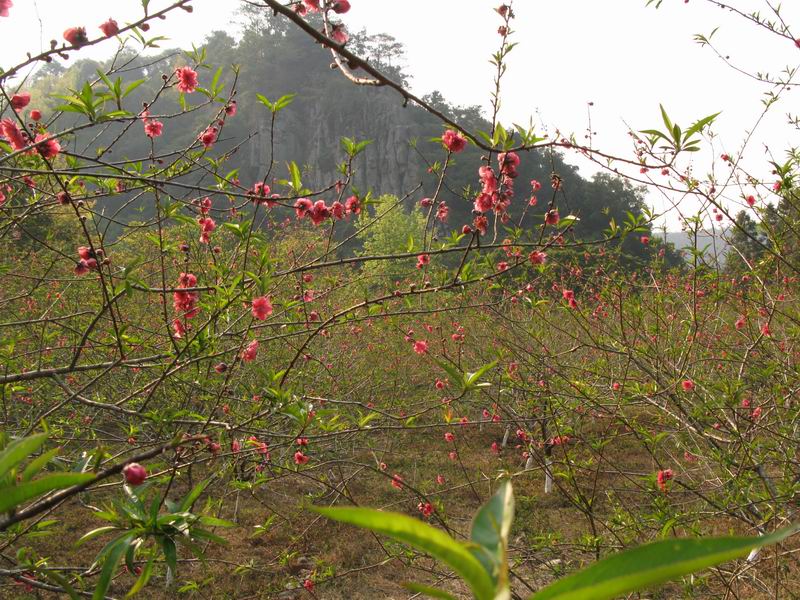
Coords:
4,6
184,302
496,193
259,194
423,260
207,224
318,211
87,261
569,296
46,146
537,257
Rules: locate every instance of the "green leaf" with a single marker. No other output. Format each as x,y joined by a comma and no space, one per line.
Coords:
666,119
192,496
431,592
490,529
12,496
142,580
19,450
652,564
94,533
38,464
421,536
110,565
471,379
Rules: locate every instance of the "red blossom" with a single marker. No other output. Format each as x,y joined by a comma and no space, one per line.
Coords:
454,141
250,352
12,133
153,129
663,477
110,28
76,36
20,100
4,6
261,308
187,79
47,146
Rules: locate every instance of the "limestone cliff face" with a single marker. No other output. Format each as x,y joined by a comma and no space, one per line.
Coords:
309,133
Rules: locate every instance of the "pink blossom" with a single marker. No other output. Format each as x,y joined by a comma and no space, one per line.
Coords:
687,385
13,134
422,260
421,347
76,36
537,257
302,207
319,212
352,205
187,80
153,129
339,34
552,218
178,328
4,6
109,28
454,141
261,307
338,210
208,137
340,6
300,458
47,148
230,108
250,352
20,101
663,477
449,437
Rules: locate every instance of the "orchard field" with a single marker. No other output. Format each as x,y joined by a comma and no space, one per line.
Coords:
248,352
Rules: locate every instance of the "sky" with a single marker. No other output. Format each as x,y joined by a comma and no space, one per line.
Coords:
620,55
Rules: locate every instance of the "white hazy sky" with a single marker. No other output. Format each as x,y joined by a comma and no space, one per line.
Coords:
618,54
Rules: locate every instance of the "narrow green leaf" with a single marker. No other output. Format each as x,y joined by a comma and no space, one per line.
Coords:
110,566
12,496
38,464
192,496
652,564
421,536
490,529
94,533
19,450
142,580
